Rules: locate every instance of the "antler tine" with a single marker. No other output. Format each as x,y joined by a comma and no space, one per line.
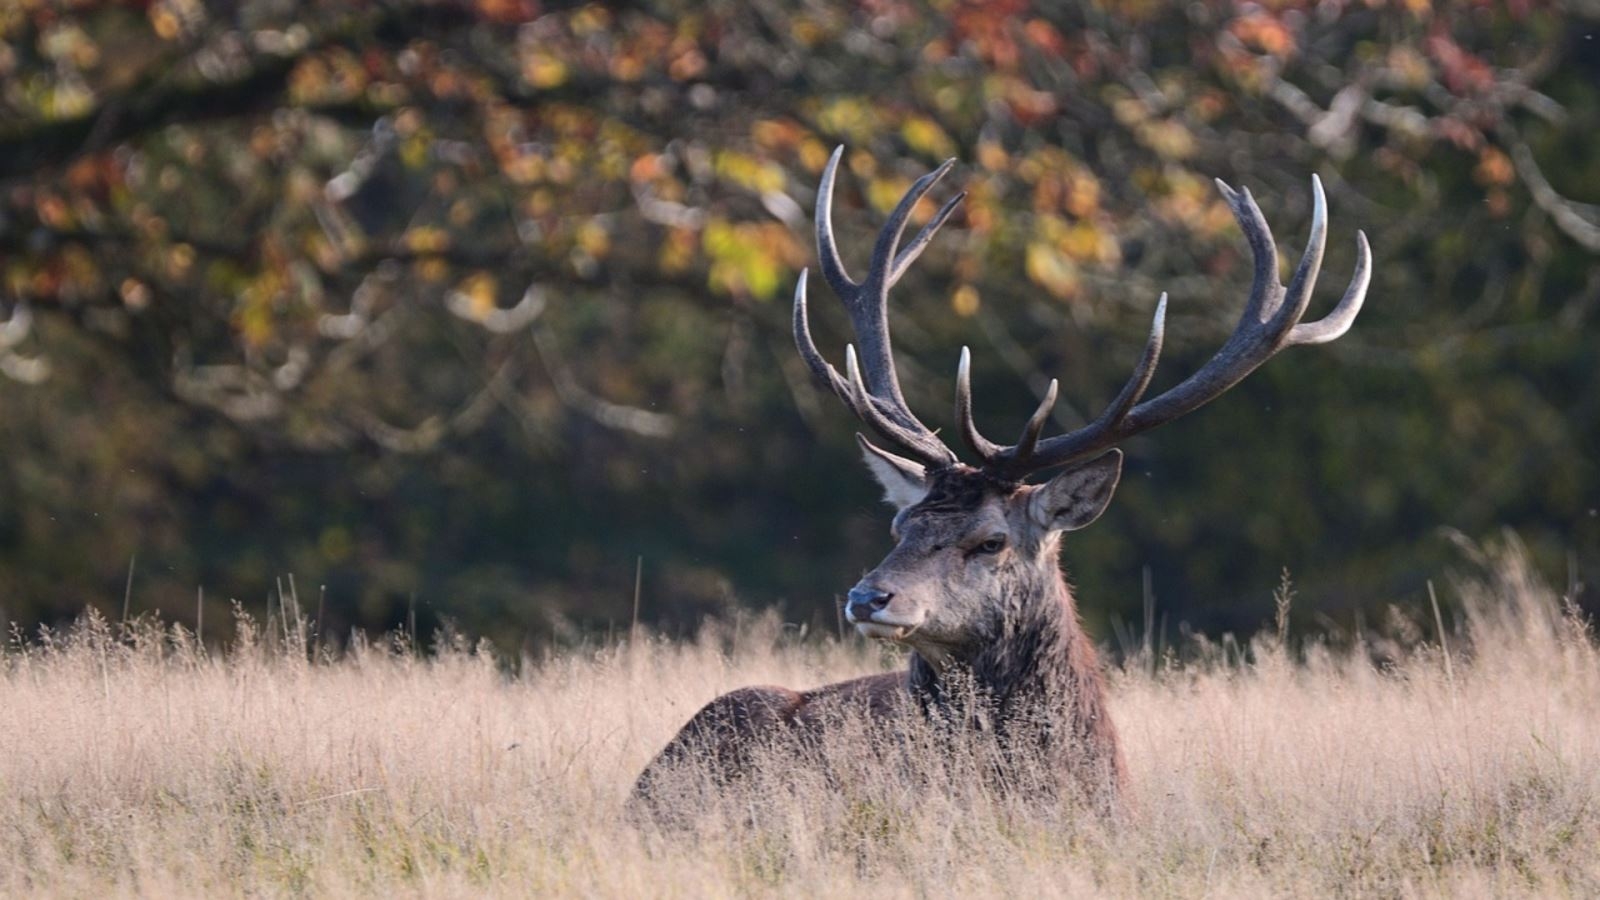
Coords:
1016,462
994,455
16,328
1333,325
1139,381
869,305
1035,424
917,441
987,450
1298,295
1270,323
909,254
1265,294
821,368
827,246
861,398
827,249
867,302
887,249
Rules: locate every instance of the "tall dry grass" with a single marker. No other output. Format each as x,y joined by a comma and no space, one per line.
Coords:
140,765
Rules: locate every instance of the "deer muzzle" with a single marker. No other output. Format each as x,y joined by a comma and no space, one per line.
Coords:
870,608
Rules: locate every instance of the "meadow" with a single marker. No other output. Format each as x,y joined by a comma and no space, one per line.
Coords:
134,762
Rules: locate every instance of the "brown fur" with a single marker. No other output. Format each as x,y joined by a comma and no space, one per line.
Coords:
1007,657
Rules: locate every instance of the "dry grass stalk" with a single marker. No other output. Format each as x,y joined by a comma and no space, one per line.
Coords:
136,764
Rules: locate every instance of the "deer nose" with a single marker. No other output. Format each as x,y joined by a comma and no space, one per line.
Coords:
864,601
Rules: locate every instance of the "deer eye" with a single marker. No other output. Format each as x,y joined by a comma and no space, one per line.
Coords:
991,546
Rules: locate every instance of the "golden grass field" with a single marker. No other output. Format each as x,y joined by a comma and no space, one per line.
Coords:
141,766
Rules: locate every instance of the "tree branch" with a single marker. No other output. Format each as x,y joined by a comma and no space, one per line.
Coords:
155,103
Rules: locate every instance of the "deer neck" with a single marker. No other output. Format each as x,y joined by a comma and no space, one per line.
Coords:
1036,670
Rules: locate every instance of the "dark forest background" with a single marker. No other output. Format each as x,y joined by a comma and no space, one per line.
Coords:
467,308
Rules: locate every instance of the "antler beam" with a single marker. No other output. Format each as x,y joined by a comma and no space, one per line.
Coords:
1270,322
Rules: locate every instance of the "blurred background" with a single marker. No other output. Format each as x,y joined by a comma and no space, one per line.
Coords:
480,310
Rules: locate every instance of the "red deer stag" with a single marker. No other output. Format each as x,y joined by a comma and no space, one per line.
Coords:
973,587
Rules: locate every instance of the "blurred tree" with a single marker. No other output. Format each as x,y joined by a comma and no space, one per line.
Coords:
476,303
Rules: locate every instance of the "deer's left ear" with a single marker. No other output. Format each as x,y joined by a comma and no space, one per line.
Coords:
1077,496
904,482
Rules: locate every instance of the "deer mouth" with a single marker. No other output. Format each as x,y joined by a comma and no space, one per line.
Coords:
884,628
883,631
885,622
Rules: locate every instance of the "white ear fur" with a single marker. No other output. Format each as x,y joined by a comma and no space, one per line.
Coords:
1076,497
904,482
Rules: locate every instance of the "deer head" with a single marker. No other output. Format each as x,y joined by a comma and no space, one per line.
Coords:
976,545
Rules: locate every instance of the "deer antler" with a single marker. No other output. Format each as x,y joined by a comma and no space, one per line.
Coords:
1271,322
872,389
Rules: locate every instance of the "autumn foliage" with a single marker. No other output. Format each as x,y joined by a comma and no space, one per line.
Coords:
465,308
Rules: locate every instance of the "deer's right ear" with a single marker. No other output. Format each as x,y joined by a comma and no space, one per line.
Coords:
1078,496
904,482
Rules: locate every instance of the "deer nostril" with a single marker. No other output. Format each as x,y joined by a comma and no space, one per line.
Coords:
864,601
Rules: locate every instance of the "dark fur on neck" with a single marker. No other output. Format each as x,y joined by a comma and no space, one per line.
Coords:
1034,682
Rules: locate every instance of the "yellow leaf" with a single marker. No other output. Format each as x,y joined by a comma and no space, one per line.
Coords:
1049,269
426,239
884,193
414,151
761,276
179,260
848,117
1169,139
166,24
813,154
479,288
992,156
749,172
1083,195
431,269
805,31
965,300
926,137
677,251
1082,242
544,71
718,237
255,325
593,239
746,259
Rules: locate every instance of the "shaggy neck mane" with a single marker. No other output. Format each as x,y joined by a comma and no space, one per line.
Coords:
1035,683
